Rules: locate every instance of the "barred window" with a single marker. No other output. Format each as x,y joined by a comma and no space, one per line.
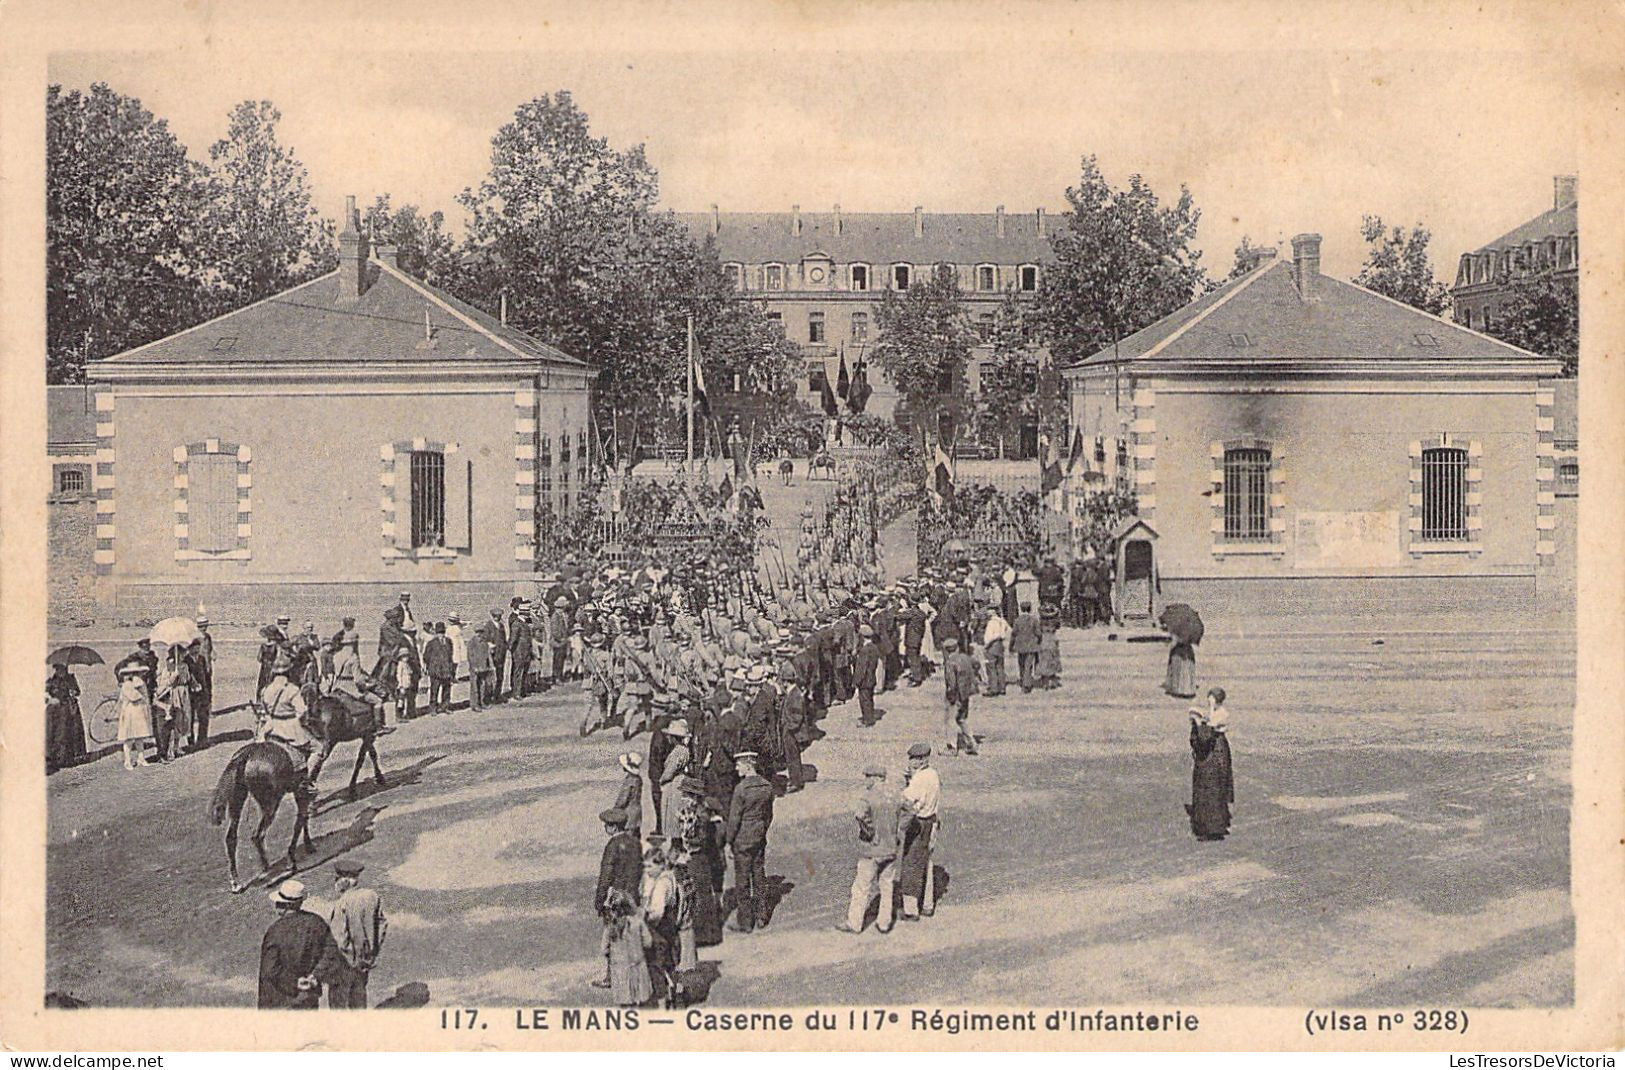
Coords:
1246,493
564,472
1568,474
1444,494
544,473
428,498
70,480
211,502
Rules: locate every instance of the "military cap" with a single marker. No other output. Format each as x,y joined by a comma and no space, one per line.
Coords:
346,867
612,816
920,750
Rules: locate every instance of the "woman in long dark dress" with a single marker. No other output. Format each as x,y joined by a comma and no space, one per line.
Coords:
64,725
1212,778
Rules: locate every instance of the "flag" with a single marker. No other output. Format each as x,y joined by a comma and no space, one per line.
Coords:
827,397
726,489
858,396
1051,477
843,382
702,402
1076,457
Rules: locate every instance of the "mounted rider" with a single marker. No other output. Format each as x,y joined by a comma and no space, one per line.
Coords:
285,710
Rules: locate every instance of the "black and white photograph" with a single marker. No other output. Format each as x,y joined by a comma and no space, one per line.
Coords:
644,516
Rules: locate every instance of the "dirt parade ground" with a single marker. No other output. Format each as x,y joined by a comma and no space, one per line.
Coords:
1401,836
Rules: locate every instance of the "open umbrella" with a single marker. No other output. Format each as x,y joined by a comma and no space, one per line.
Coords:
1182,622
74,655
174,631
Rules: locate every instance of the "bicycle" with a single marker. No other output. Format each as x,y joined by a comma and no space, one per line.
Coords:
102,724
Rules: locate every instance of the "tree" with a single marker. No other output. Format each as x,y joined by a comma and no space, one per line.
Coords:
566,226
424,249
1009,387
1123,261
923,342
272,237
1542,315
1248,256
1397,265
126,257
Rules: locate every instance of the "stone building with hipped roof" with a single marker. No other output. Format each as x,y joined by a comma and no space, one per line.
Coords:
322,448
1300,443
821,275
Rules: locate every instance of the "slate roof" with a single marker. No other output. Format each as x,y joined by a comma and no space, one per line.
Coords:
1347,321
1555,222
307,323
70,414
878,237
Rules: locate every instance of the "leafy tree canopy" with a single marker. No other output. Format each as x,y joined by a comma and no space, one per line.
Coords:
923,342
1397,265
1122,261
1541,315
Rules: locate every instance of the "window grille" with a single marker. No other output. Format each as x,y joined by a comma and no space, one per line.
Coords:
815,327
860,326
544,473
1568,473
1247,493
71,481
211,502
428,498
1444,494
564,472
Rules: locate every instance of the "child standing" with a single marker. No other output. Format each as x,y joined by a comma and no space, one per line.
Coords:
625,944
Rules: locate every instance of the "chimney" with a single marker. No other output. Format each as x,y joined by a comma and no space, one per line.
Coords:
716,221
998,217
388,252
919,221
1565,190
837,220
352,256
795,220
1040,222
1306,266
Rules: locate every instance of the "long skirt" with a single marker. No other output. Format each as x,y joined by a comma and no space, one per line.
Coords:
64,733
916,865
134,720
1212,784
1181,682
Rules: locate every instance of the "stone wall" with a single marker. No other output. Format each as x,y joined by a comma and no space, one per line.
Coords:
70,569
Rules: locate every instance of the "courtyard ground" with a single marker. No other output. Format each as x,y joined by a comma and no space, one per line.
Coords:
1401,836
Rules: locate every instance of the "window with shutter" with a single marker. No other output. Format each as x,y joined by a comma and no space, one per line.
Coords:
211,502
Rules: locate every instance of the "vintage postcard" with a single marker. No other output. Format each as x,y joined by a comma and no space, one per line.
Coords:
1031,526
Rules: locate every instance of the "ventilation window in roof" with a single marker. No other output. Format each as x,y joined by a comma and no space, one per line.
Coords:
1240,341
225,343
1427,341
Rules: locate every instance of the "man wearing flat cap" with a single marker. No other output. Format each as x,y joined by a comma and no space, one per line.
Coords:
879,815
359,927
298,954
750,815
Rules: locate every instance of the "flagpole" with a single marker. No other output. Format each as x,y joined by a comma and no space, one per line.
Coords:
691,391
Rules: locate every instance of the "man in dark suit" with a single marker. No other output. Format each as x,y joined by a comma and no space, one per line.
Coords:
1051,583
750,814
620,867
1025,634
863,674
498,638
845,649
441,667
959,682
884,622
519,646
958,612
912,618
298,954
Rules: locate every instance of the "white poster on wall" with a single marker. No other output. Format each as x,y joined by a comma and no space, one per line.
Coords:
1348,540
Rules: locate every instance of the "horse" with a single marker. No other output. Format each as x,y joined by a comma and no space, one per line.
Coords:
820,460
268,771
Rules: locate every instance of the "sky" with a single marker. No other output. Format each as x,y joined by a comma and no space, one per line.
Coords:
1271,141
